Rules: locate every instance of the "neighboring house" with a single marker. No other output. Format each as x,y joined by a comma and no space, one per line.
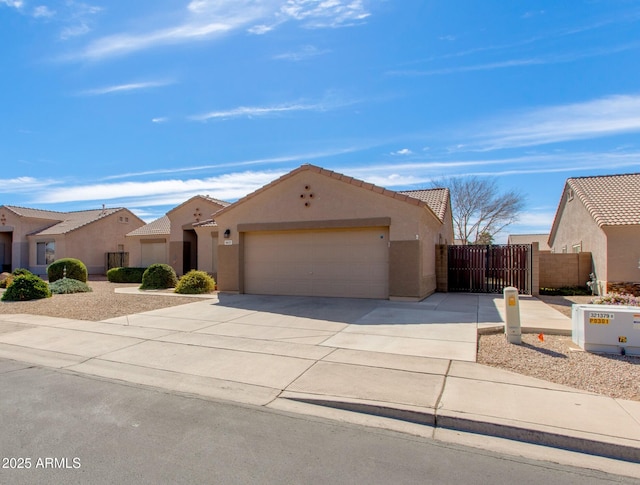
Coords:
541,239
172,239
34,238
320,233
601,215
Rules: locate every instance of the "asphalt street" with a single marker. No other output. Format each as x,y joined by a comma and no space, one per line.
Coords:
60,427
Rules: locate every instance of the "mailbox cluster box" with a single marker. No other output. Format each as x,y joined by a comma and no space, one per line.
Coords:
606,328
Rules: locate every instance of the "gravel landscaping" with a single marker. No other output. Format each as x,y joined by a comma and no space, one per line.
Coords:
558,359
101,304
555,359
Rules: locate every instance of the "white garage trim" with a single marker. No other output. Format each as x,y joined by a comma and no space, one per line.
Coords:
350,262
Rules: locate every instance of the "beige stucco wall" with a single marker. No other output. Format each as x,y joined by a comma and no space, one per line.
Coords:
182,219
88,243
19,227
311,196
207,249
577,226
135,246
623,251
558,270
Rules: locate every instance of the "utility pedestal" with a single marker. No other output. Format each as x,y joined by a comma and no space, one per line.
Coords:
512,315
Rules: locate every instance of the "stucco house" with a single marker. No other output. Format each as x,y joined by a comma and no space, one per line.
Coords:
601,215
320,233
541,239
172,239
34,238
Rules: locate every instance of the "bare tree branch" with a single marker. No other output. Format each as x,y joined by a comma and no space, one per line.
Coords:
479,210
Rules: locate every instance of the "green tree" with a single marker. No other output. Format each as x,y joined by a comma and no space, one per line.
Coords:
484,238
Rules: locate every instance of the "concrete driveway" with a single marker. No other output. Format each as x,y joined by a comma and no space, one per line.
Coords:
442,326
409,361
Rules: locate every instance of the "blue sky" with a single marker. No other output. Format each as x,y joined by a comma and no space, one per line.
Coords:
144,104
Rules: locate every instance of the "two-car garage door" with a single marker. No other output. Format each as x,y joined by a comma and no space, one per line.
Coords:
338,262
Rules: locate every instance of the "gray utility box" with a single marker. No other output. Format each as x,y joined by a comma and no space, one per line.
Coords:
606,328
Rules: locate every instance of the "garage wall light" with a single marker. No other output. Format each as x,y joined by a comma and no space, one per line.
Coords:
227,233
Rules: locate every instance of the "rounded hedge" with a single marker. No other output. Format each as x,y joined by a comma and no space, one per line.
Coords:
125,275
26,287
9,277
196,282
76,270
159,277
21,271
68,286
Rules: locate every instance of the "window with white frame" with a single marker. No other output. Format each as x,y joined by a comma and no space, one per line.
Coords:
576,248
46,252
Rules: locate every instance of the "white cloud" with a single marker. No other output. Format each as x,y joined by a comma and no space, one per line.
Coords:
330,101
305,52
238,183
532,13
607,116
43,11
120,88
301,157
393,180
250,112
79,18
425,172
160,119
74,31
162,192
541,218
403,151
12,3
261,29
24,184
209,19
531,61
325,13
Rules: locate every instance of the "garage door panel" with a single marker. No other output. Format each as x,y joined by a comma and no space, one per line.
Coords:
343,263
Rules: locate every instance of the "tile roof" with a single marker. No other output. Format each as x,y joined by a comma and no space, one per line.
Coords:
353,181
436,199
207,223
74,220
612,200
205,197
159,227
36,213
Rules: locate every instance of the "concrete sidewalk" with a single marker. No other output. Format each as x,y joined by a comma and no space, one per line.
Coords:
414,362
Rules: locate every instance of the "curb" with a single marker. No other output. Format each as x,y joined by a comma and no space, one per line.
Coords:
616,451
493,329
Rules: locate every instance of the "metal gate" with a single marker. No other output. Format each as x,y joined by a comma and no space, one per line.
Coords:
116,260
489,269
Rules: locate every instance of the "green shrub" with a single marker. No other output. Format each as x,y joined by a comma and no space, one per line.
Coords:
158,277
566,291
67,286
21,272
26,287
7,278
75,268
196,282
125,275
